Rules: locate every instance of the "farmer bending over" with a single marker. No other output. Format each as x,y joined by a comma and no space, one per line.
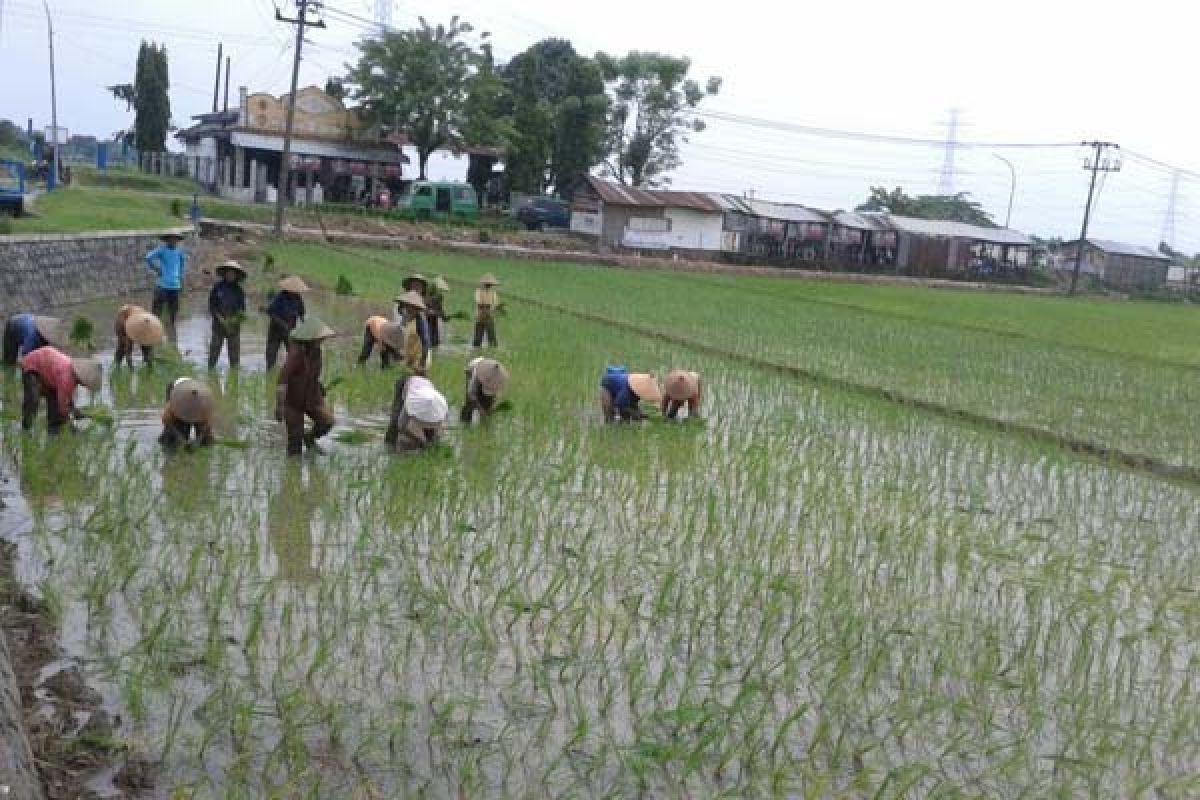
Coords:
135,325
168,261
486,379
621,392
418,415
300,393
227,305
285,311
681,388
189,410
50,374
24,333
388,335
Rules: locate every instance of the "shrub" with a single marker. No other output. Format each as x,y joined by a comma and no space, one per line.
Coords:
176,207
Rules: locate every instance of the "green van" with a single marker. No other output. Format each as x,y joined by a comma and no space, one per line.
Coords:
425,199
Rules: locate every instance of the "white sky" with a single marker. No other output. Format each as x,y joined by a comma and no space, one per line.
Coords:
1021,71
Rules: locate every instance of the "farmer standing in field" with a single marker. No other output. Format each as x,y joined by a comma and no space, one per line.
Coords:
681,388
285,311
416,331
418,417
487,302
486,379
621,392
50,374
168,261
135,325
227,305
299,393
385,333
190,407
435,310
24,333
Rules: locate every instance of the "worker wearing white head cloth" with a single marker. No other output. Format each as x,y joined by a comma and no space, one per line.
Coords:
419,414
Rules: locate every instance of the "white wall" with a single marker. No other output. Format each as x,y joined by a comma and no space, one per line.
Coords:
587,222
695,230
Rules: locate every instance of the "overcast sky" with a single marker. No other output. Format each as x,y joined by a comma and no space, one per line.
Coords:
1024,71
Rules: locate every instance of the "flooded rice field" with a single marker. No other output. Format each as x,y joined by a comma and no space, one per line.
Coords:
801,593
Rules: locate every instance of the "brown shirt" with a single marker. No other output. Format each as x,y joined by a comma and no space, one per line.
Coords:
301,374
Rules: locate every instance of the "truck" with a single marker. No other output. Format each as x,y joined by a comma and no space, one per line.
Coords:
426,199
12,188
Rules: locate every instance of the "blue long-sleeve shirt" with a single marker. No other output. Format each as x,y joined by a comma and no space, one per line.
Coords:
28,337
168,263
226,298
287,307
617,385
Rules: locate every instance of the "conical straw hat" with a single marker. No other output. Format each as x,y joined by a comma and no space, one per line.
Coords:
235,266
52,330
411,298
681,385
87,372
488,279
440,284
144,329
312,330
645,387
293,283
415,278
392,335
192,401
492,376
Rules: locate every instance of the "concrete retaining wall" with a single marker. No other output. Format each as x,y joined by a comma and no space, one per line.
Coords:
45,270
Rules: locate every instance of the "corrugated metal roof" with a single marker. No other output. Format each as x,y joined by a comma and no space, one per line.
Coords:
731,202
862,222
782,211
1123,249
951,229
619,195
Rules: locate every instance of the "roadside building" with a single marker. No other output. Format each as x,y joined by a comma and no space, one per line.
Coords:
861,241
621,217
944,248
758,230
1116,264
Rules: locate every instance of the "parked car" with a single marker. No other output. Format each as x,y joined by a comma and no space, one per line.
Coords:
544,212
426,198
12,188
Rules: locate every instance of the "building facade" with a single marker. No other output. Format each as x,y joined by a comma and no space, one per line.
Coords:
1116,264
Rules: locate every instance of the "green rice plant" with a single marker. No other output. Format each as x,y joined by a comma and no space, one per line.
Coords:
344,287
82,332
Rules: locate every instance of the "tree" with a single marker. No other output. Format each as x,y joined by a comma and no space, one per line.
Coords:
559,114
486,127
415,82
148,97
651,100
335,88
955,207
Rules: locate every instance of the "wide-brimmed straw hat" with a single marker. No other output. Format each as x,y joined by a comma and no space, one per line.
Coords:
312,330
144,329
681,385
492,376
488,279
416,276
172,237
440,284
87,372
192,401
645,386
234,267
411,298
52,330
392,335
293,283
425,403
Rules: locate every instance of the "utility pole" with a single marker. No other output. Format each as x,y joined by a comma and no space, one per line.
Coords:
217,80
228,59
1168,231
52,177
285,167
1098,162
1012,187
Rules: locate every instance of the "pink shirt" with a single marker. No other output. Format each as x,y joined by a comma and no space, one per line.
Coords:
54,368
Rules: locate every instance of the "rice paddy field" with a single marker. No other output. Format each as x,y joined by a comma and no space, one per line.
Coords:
813,590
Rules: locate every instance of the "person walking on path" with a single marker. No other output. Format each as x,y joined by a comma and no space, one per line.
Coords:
418,416
134,325
435,310
681,388
299,393
190,408
416,331
285,311
486,379
169,262
487,302
385,333
24,333
622,391
227,306
51,375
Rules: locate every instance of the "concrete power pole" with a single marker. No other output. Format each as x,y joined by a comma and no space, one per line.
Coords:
1168,231
1098,162
285,167
52,178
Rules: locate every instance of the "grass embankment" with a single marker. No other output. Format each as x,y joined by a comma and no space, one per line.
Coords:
807,594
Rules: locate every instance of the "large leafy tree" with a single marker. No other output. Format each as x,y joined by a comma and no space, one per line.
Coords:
486,129
652,98
148,97
415,82
956,207
559,110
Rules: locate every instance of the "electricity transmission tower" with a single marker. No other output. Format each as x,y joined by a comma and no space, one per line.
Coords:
383,14
1168,231
1101,160
946,183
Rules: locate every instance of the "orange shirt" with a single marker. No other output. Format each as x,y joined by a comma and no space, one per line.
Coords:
54,368
375,326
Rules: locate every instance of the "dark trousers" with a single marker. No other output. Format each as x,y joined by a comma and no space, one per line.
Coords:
165,306
277,336
293,420
12,343
485,328
475,401
228,337
435,330
386,354
34,391
125,352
